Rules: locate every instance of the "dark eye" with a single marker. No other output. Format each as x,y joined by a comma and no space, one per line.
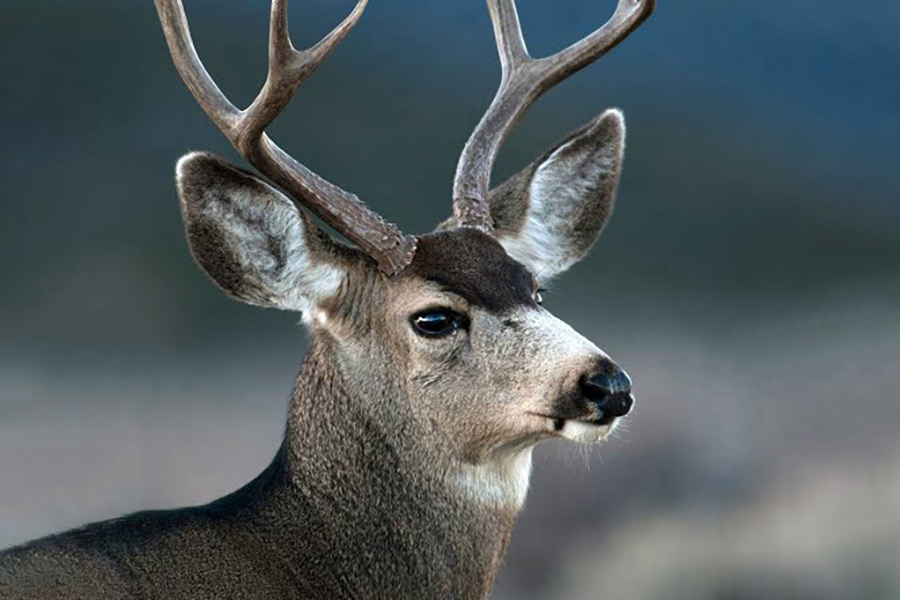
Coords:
539,298
438,322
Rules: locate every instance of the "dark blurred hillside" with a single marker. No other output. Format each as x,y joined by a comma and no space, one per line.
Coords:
762,145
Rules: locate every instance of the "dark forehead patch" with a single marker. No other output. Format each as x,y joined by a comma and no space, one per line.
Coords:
475,266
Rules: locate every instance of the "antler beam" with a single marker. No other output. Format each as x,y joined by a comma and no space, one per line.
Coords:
245,129
524,79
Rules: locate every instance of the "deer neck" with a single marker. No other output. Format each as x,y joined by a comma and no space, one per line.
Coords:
360,484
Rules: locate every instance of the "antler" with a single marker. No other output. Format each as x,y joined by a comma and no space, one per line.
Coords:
524,79
245,129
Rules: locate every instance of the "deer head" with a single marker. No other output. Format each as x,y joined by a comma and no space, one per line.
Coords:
442,336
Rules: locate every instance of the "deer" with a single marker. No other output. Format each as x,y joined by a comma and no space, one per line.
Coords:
432,371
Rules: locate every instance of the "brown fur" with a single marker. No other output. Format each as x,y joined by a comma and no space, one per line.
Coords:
405,459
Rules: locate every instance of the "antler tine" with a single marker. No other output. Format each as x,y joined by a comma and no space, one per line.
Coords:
245,129
220,110
524,80
628,16
508,33
289,67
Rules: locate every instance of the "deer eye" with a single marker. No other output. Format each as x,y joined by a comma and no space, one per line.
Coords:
438,322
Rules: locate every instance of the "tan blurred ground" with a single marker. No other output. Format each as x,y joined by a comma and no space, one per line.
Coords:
764,464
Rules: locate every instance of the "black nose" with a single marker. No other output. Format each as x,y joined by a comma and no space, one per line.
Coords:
609,390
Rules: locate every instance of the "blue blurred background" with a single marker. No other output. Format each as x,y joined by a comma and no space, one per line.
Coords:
748,281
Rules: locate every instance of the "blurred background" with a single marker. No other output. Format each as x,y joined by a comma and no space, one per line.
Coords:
749,281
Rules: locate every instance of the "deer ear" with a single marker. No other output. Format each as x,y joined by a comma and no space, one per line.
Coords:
549,215
250,239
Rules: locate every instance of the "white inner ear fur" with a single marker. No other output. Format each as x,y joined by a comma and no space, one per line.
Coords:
556,195
253,217
304,282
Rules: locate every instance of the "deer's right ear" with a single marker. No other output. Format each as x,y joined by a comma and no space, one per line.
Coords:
251,239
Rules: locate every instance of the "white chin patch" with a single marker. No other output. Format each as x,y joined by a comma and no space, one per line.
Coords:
586,433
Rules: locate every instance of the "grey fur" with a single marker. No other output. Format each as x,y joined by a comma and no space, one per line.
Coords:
343,511
250,239
405,460
578,177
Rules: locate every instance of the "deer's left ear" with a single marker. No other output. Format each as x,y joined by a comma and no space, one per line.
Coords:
549,215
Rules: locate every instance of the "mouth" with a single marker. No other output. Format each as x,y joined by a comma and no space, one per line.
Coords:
583,431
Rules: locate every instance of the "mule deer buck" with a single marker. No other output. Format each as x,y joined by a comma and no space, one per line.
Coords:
432,371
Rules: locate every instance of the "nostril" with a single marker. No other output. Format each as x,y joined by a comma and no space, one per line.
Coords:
609,390
617,405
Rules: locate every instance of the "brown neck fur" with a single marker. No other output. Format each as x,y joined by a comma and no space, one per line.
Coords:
357,490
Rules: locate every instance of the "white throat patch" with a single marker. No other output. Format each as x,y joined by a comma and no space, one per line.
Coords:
500,483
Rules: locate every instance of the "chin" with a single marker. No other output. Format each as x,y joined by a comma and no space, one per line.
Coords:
585,432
